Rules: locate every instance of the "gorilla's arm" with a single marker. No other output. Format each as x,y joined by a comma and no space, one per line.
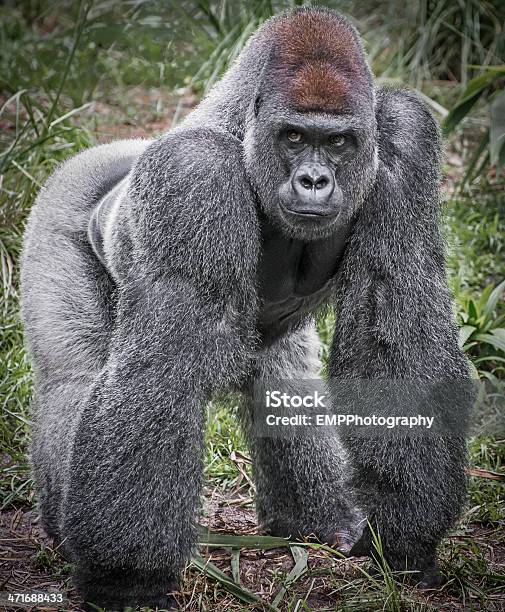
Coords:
182,330
394,321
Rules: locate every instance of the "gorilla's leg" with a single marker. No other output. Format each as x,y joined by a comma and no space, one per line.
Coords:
68,310
412,491
300,482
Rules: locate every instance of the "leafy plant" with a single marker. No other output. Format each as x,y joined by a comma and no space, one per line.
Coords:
430,40
453,36
489,84
227,26
37,133
482,333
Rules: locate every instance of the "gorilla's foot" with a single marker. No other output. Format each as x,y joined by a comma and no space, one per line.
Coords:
430,578
340,526
160,602
122,589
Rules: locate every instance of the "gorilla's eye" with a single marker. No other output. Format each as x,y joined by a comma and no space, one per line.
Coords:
338,140
294,136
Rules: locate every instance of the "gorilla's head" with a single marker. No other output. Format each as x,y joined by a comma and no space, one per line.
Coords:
310,138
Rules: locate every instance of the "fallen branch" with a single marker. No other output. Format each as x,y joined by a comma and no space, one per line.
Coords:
486,474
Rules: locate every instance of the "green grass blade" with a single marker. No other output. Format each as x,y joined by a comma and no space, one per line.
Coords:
494,339
300,555
235,564
464,333
497,129
211,571
495,296
475,89
222,540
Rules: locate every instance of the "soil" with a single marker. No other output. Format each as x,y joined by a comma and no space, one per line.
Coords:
28,561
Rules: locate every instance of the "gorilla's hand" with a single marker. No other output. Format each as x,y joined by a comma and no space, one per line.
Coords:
425,575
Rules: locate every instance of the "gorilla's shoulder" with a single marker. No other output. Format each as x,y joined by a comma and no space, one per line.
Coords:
409,135
189,152
190,185
190,164
403,110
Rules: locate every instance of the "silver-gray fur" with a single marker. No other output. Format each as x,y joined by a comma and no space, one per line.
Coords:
126,354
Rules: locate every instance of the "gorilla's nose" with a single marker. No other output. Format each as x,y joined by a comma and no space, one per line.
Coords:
313,184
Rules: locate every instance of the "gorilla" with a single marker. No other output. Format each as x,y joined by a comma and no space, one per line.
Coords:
157,273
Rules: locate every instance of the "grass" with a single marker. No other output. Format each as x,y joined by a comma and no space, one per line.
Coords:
476,234
56,60
226,460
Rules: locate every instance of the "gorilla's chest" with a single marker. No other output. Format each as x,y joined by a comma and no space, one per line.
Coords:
294,277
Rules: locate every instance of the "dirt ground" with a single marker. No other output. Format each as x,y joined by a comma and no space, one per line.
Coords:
29,562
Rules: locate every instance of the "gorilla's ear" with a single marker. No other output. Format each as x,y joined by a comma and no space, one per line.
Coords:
257,104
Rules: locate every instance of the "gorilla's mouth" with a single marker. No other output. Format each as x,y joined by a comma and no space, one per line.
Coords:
301,213
310,213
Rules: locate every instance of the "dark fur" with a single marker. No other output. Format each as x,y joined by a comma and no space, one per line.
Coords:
127,354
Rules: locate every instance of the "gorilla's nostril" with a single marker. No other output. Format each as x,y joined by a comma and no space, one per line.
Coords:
321,183
306,183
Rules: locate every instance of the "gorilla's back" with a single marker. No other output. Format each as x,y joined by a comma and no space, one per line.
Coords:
67,332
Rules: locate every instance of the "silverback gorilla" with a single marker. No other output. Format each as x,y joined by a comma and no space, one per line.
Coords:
157,273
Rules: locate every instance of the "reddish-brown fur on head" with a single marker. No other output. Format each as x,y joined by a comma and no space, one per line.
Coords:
317,62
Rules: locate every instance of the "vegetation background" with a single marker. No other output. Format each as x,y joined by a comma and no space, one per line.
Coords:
76,73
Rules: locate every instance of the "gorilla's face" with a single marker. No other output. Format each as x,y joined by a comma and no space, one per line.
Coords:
310,170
